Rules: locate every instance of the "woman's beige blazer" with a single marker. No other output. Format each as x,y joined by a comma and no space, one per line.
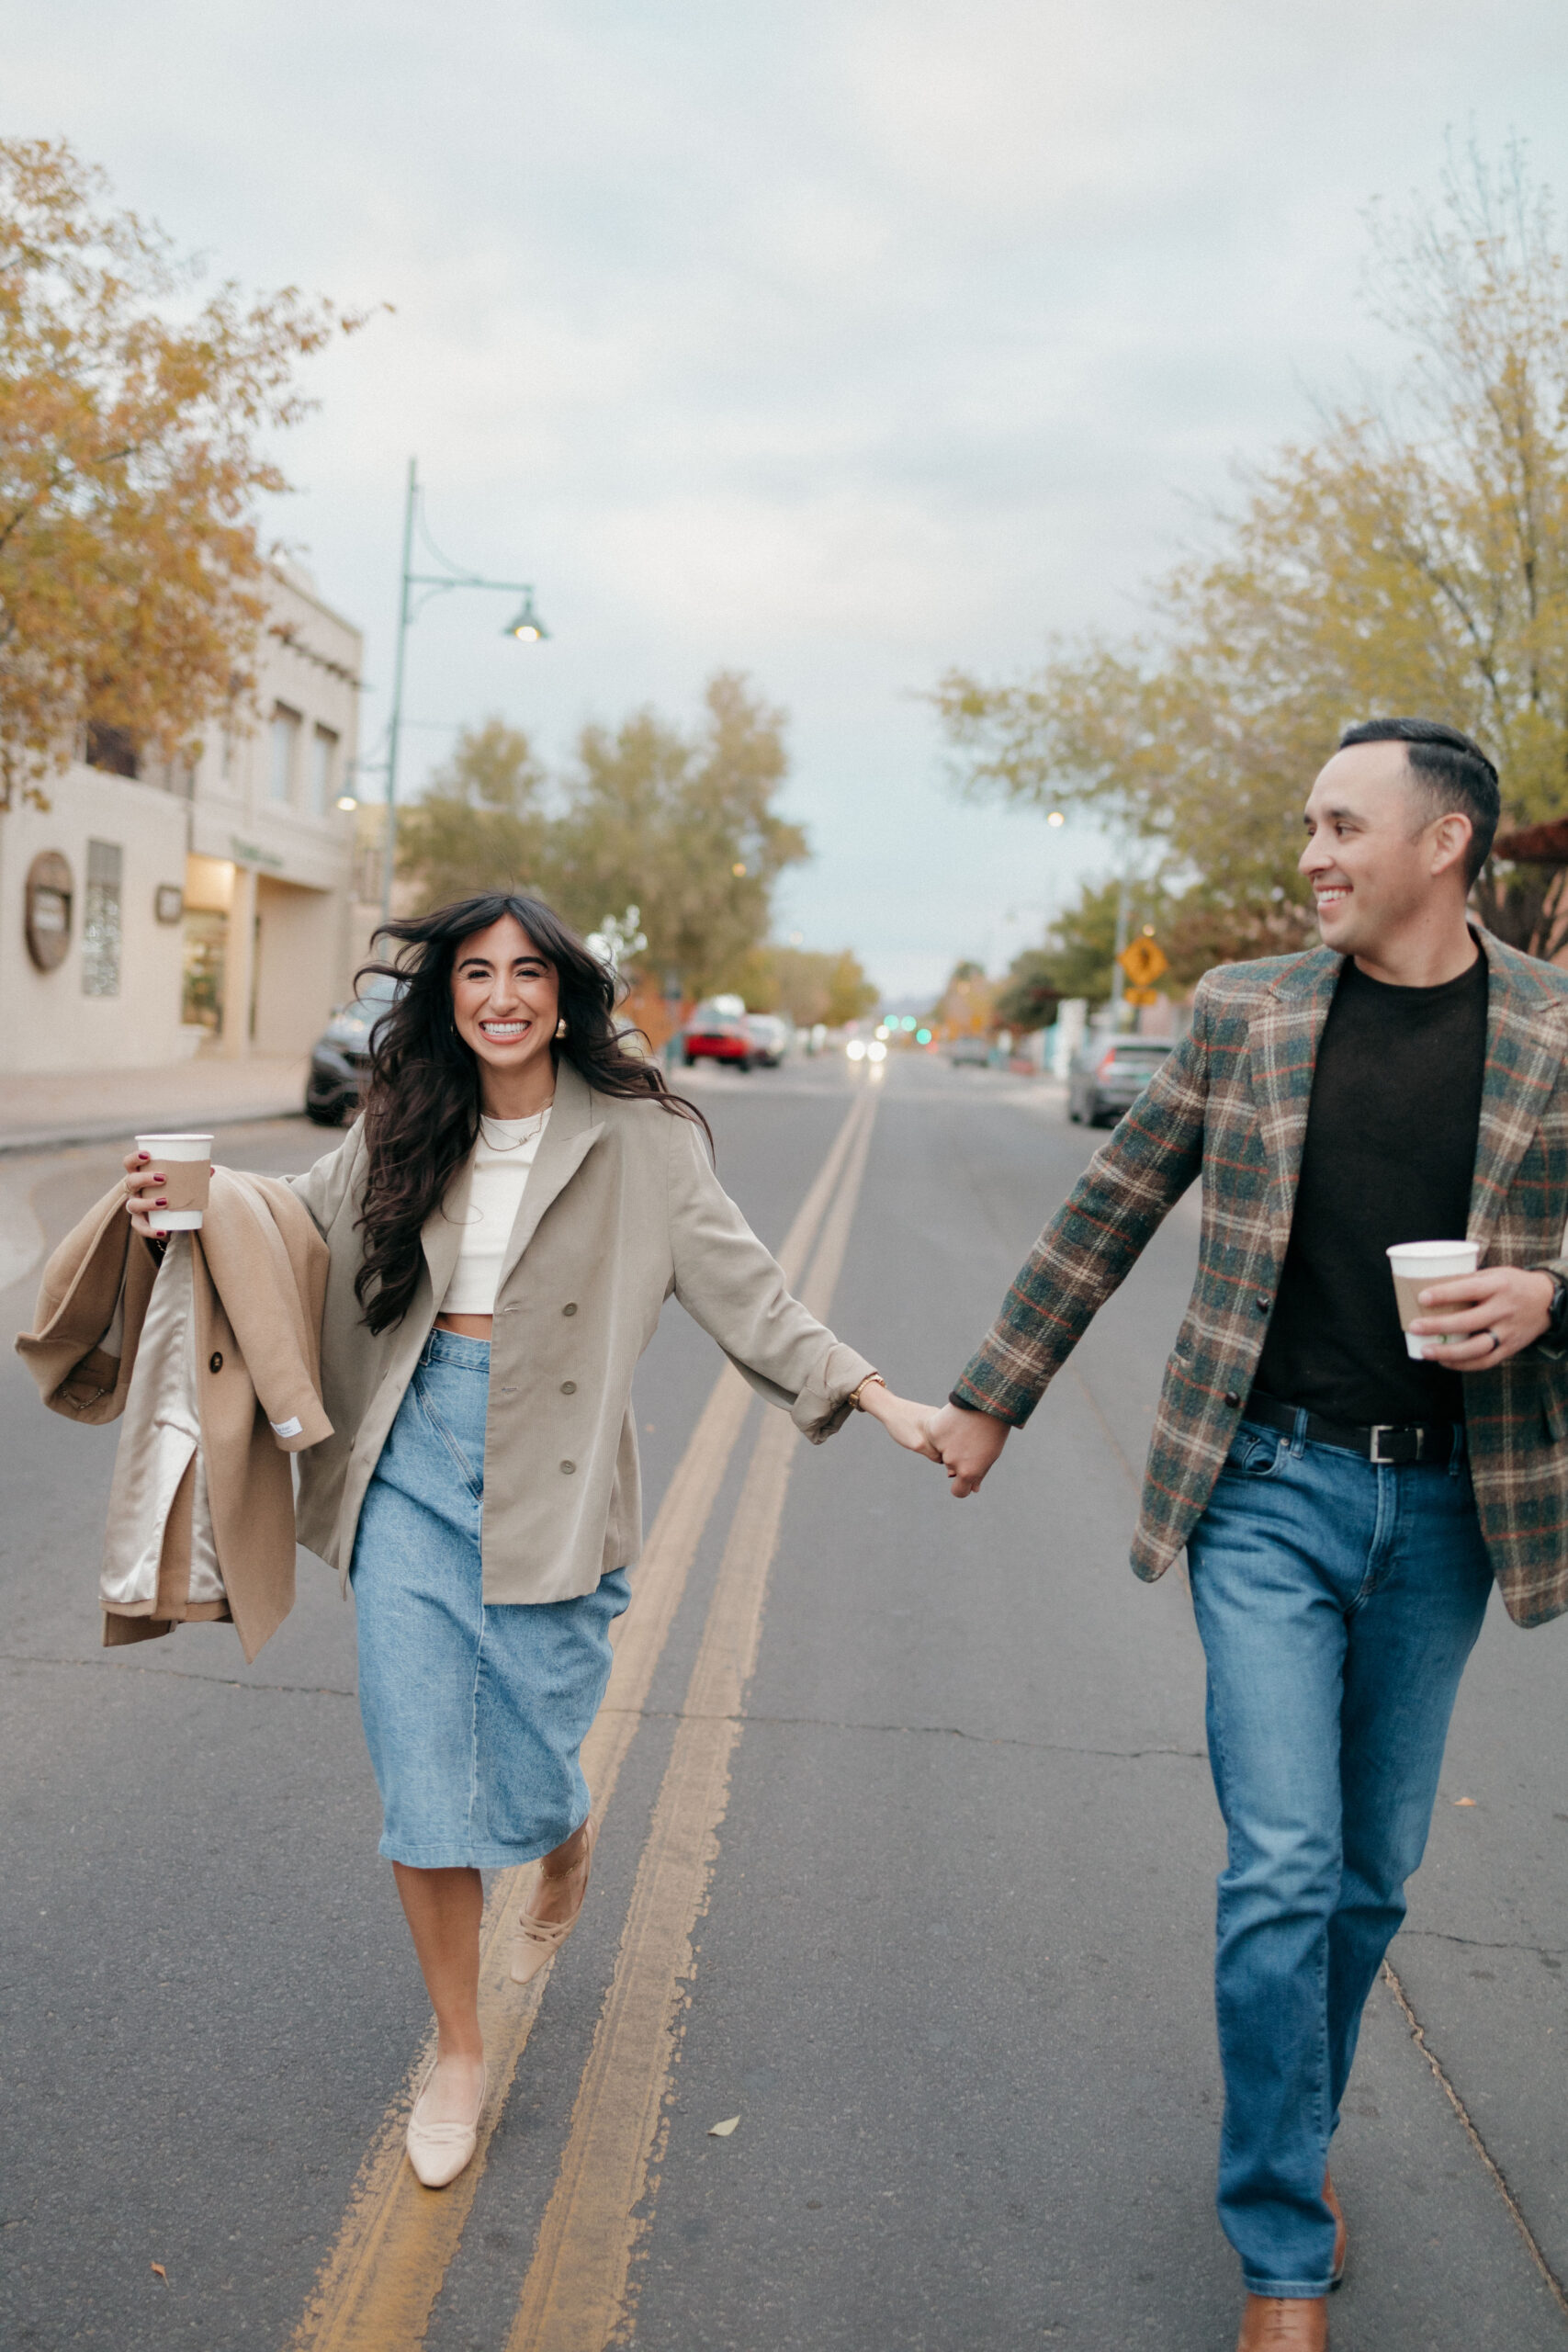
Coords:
622,1208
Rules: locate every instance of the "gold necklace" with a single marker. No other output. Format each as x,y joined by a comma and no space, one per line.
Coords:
531,1125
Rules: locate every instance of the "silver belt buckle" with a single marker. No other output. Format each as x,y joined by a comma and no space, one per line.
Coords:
1380,1431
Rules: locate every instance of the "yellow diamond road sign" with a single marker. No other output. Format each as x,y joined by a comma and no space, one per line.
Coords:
1143,962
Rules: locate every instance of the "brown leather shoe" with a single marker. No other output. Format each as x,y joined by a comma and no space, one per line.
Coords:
1341,2235
1283,2323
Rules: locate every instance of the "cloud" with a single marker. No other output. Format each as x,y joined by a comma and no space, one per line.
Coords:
837,341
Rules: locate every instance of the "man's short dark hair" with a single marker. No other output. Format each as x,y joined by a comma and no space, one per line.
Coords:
1454,775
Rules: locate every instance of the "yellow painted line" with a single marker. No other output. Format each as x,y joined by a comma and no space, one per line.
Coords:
575,2296
377,2288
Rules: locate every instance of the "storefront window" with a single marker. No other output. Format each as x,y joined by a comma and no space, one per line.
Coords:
206,951
100,920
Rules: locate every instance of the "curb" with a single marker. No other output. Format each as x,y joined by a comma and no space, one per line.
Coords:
112,1130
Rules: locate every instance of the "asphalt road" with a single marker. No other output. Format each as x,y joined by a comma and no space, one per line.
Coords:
950,1961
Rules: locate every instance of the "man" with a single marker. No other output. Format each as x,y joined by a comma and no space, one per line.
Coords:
1345,1507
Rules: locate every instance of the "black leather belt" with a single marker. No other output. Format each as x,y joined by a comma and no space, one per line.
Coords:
1396,1443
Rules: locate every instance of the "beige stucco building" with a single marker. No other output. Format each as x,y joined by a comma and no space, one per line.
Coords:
153,911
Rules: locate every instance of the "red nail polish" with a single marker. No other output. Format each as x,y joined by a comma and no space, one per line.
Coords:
160,1204
141,1156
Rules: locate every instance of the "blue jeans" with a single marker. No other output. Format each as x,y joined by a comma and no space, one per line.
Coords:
1338,1601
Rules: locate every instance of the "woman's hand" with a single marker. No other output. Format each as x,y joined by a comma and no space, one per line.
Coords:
904,1421
144,1191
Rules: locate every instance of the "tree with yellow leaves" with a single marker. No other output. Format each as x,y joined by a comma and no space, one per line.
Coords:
1413,558
132,418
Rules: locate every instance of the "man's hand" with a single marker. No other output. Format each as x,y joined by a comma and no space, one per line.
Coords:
968,1444
1485,1317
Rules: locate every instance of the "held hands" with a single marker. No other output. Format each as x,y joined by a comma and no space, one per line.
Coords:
966,1443
1485,1318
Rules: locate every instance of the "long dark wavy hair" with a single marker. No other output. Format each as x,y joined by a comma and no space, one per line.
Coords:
421,1108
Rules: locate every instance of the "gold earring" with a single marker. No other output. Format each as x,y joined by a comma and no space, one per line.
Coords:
561,1026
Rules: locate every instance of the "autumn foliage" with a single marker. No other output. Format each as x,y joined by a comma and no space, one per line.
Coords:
133,418
1411,559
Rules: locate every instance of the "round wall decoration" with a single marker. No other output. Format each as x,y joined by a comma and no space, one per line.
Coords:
50,891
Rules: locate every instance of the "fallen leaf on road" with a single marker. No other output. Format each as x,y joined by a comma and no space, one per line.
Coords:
722,2130
159,2272
1464,1800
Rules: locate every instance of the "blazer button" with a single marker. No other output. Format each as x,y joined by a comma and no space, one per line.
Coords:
569,1388
215,1361
570,1307
569,1467
1264,1302
1232,1397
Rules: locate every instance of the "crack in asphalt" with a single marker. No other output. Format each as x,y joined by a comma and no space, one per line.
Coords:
1478,1943
1488,2161
649,1715
925,1731
180,1674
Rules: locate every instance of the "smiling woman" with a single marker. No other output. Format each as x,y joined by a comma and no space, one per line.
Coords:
504,1227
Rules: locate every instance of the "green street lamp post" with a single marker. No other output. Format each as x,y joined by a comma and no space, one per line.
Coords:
527,628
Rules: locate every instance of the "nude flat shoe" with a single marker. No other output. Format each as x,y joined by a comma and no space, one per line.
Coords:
1283,2323
439,2151
538,1940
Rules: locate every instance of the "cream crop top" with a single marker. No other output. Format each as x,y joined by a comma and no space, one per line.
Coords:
503,1154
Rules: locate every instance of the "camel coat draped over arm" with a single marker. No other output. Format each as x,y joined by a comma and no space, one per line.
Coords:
210,1356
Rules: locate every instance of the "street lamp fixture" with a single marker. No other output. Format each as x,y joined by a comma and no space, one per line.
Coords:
527,628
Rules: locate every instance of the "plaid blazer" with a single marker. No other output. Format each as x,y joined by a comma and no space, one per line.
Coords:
1230,1105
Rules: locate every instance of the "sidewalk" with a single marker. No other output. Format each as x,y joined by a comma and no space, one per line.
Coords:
51,1108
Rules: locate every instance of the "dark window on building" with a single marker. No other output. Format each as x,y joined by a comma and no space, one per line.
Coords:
113,749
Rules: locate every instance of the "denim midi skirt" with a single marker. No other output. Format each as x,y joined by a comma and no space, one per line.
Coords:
474,1716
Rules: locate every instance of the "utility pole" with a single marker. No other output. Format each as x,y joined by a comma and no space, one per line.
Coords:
527,628
1118,977
394,728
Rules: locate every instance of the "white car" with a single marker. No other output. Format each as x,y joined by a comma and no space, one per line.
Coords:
769,1038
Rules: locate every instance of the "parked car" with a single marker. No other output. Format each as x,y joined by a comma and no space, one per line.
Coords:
340,1059
1108,1074
971,1052
770,1037
716,1032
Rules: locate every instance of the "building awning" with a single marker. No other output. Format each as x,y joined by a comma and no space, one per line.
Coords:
1536,844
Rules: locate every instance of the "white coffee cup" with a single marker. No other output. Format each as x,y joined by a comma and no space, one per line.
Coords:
187,1162
1416,1263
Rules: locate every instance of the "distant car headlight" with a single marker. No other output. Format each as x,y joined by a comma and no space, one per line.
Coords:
855,1049
876,1051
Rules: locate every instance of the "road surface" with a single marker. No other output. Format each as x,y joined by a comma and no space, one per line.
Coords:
907,1863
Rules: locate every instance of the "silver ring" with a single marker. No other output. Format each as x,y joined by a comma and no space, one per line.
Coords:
1497,1342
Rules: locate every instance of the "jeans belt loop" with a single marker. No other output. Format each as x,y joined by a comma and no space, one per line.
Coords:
1299,1435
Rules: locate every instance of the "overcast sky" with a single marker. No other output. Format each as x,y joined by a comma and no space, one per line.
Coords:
833,341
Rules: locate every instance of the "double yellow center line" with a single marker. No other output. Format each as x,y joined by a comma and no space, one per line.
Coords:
378,2284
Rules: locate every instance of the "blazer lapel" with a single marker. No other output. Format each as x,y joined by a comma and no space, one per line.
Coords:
569,1135
1524,1054
1284,1041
